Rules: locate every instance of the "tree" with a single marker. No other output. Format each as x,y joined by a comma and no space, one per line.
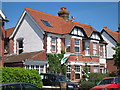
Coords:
116,56
55,65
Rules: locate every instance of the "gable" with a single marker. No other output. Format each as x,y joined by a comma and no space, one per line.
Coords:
95,36
77,31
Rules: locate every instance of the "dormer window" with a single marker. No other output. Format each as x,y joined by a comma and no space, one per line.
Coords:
46,23
95,36
77,31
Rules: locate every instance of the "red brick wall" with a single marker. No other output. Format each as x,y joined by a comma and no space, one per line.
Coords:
91,48
110,65
72,45
11,46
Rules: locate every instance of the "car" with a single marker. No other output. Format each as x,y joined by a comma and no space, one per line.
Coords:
18,86
111,83
49,79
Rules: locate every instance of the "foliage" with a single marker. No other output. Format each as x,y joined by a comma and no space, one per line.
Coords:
116,56
54,61
93,79
21,75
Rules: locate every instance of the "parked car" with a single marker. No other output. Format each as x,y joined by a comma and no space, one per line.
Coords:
55,80
18,86
111,83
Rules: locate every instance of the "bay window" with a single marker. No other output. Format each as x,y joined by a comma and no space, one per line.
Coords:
77,45
53,44
87,48
67,41
94,48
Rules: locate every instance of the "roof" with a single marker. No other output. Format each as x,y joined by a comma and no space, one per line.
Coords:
8,32
113,34
40,55
59,25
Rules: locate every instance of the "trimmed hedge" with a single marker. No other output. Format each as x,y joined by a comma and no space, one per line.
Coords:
93,79
21,75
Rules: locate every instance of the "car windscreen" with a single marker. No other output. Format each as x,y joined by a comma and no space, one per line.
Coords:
106,81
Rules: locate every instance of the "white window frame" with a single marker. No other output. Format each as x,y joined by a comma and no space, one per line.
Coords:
101,51
53,43
95,69
95,50
87,48
77,45
67,42
78,70
18,48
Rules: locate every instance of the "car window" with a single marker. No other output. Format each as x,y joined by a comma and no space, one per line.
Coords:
14,87
117,80
106,81
29,87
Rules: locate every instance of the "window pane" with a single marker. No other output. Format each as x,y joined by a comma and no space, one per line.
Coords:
20,43
77,49
77,76
77,68
46,23
53,47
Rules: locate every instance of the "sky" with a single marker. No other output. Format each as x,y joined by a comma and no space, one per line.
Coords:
96,14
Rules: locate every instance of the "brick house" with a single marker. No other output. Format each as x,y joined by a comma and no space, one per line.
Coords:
3,19
37,31
111,37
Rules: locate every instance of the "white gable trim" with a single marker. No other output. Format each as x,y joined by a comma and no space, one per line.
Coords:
95,36
2,14
20,21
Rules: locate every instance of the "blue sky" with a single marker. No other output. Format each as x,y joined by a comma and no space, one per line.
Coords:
96,14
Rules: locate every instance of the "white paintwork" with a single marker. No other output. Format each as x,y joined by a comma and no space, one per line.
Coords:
20,20
2,14
102,61
95,36
111,43
48,44
33,37
80,33
83,63
59,45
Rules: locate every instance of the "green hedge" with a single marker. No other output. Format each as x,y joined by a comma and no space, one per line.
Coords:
93,79
21,75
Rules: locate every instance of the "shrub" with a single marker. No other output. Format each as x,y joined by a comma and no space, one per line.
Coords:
21,75
92,81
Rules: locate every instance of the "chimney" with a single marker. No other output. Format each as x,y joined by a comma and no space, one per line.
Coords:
105,27
63,13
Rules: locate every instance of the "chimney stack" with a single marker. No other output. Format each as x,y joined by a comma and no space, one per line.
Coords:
63,13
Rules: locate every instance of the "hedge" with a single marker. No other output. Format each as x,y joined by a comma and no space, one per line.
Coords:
21,75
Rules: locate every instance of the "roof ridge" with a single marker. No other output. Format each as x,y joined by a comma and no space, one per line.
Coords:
42,12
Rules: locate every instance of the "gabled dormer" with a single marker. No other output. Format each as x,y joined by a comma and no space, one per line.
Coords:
77,31
96,36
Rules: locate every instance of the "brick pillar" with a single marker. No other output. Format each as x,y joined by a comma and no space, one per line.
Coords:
91,48
72,48
98,52
11,46
63,44
45,42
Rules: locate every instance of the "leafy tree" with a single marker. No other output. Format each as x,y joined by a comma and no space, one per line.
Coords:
116,57
55,66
